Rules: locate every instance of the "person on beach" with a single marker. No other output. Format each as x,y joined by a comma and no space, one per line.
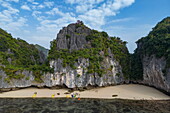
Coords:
53,95
34,95
72,95
78,97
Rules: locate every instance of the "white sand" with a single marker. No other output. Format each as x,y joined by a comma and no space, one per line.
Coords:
123,91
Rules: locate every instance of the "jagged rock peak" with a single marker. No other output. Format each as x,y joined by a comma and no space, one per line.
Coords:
73,37
82,56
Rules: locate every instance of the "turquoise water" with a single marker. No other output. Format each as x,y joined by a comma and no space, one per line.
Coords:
64,105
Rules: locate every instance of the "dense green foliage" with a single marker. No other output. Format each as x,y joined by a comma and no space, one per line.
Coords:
18,55
19,51
158,40
44,50
121,53
96,51
156,43
136,67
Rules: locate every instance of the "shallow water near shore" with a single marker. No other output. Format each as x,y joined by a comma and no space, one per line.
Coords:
65,105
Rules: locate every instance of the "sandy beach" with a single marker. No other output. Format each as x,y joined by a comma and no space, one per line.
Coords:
131,91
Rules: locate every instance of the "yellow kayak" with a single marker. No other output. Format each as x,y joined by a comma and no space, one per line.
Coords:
53,96
68,96
33,96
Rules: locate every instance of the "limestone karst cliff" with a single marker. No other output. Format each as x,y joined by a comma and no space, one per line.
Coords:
78,57
153,57
18,59
81,57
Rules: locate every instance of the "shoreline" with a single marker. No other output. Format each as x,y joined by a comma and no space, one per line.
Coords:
59,98
126,91
151,99
2,90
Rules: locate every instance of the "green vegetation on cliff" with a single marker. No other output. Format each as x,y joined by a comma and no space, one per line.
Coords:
18,55
158,40
17,52
42,49
156,43
96,50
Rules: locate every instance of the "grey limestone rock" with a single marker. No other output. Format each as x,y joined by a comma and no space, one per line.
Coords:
72,37
153,73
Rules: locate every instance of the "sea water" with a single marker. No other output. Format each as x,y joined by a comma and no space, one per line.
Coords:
73,105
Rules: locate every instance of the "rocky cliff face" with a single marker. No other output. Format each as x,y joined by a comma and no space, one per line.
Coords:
65,76
79,78
153,73
76,73
72,37
153,51
16,83
79,57
69,77
16,58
